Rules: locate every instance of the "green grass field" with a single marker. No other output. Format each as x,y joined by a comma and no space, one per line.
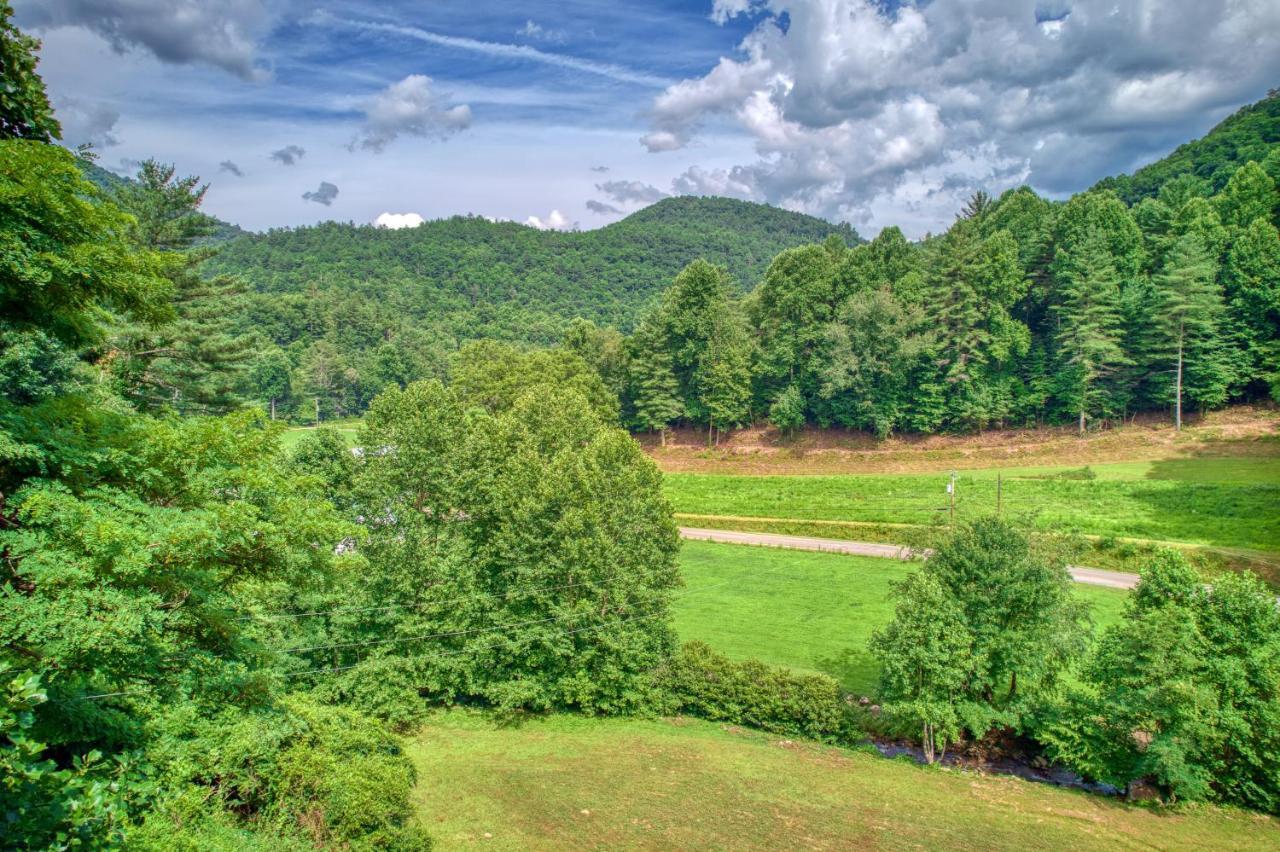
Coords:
572,782
808,611
1232,503
347,428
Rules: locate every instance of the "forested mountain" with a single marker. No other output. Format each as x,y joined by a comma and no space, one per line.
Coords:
470,277
1248,134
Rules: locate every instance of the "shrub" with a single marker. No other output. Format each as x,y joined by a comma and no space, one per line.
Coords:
703,683
298,771
1181,693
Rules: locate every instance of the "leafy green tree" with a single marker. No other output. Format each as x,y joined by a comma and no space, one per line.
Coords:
603,348
875,344
269,378
48,806
325,385
24,107
924,655
723,376
64,258
887,262
1089,323
1250,194
1017,604
533,546
494,375
787,411
789,311
1182,691
323,453
1190,309
1252,278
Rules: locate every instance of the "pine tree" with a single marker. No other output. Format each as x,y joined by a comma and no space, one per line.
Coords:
1089,330
195,363
972,285
1190,307
657,393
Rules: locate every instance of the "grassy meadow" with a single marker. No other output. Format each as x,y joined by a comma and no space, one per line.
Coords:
346,428
571,782
1195,501
808,611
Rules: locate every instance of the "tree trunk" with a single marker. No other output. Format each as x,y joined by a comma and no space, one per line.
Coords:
1177,417
273,408
927,742
317,411
662,435
1082,418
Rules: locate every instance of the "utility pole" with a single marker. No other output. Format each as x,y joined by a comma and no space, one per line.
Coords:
951,500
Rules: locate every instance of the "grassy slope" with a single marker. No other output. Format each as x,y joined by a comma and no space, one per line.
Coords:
1201,501
810,611
567,782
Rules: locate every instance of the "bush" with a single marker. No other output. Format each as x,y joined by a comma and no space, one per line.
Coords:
703,683
301,771
47,806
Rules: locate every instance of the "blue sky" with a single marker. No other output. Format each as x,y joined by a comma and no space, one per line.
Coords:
575,113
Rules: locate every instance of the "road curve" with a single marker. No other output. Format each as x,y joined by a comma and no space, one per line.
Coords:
1079,573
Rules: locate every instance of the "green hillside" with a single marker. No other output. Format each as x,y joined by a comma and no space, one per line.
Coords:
1248,134
467,277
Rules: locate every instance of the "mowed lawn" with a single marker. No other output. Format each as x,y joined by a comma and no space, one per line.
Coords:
1215,502
808,611
346,428
573,782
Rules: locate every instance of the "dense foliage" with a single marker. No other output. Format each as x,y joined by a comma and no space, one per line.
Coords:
1183,692
1249,134
1024,312
181,618
981,635
703,683
336,299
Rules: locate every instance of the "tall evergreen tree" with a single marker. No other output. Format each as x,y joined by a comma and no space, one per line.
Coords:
195,363
656,392
1089,330
972,285
1190,308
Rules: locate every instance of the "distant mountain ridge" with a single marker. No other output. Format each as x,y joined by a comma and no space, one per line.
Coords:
537,279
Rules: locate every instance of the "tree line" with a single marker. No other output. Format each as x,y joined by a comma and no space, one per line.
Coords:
1024,312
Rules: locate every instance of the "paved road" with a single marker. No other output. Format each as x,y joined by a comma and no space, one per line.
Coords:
1088,576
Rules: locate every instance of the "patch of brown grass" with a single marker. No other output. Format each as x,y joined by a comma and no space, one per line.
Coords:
1240,431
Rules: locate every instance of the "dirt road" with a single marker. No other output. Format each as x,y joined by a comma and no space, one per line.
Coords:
1088,576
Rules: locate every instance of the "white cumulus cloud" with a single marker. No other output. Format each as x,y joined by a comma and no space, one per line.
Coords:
410,107
859,109
555,221
395,221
